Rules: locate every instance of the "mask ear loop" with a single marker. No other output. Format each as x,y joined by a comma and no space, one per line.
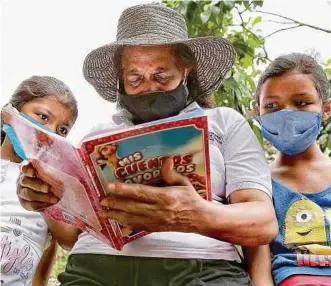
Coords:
118,105
186,72
185,76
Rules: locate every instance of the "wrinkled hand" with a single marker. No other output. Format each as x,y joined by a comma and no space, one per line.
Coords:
172,208
33,192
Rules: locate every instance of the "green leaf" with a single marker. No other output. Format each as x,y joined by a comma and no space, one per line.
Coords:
205,16
257,132
258,19
323,139
329,142
246,61
257,3
215,10
328,128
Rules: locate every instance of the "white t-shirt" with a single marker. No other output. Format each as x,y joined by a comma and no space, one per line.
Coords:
23,233
237,162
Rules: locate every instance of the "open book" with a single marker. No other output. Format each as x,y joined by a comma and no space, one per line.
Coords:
133,154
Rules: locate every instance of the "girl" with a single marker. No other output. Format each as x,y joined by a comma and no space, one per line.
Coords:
24,257
293,100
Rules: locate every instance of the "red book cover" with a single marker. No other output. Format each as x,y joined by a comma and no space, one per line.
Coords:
79,176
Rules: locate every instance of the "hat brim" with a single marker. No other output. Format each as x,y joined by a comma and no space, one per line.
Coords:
215,57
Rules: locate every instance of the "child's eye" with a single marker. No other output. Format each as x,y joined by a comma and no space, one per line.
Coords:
301,103
42,116
63,131
271,105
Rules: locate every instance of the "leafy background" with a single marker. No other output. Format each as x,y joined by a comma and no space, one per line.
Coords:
237,21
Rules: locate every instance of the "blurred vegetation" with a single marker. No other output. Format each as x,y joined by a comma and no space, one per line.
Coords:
237,21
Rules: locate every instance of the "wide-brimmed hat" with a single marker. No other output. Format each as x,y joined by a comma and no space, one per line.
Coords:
150,24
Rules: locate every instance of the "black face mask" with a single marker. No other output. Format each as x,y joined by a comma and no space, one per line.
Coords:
155,105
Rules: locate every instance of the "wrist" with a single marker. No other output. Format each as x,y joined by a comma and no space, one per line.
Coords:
207,215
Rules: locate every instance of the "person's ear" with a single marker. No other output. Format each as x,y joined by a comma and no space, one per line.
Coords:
326,110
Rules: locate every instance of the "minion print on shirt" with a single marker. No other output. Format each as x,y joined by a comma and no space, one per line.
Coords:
303,244
305,227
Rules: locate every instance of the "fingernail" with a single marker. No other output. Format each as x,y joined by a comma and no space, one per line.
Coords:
44,188
111,187
30,173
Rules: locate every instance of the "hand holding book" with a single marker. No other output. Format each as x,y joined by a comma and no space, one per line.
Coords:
33,192
149,208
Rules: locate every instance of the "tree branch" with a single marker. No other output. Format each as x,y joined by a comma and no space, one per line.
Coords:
296,21
284,29
249,31
278,22
266,56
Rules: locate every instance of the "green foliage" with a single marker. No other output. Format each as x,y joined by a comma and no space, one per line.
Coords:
233,20
228,19
324,138
59,263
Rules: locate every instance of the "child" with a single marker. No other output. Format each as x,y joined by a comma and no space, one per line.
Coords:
293,100
24,235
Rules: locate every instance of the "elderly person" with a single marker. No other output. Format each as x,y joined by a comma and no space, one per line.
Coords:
154,71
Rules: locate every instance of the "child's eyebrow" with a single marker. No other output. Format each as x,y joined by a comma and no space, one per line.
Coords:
273,96
302,93
46,109
51,114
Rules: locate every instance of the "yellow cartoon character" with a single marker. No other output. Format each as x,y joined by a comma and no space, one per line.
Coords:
304,224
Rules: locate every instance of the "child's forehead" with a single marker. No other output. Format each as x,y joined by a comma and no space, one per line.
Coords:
290,83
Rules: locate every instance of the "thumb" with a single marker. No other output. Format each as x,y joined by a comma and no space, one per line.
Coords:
170,176
27,169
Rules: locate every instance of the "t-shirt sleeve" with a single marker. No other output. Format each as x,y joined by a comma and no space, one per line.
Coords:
245,163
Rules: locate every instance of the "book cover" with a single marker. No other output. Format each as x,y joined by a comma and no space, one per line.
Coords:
79,176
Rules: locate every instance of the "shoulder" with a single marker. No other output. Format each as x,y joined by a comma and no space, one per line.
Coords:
223,120
224,117
224,114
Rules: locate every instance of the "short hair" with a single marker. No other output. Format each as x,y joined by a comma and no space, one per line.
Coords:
299,63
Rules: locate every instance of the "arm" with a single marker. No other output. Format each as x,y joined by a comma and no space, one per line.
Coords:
65,234
40,278
249,221
259,265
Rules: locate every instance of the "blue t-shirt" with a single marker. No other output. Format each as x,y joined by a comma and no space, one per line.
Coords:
303,244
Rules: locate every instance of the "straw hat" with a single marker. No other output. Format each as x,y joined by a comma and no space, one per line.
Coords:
151,24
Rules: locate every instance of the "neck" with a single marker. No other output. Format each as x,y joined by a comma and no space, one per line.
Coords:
8,153
313,153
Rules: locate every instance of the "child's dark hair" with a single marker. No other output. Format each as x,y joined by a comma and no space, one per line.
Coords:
43,86
299,63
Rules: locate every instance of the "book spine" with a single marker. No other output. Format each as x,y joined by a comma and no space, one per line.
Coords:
108,232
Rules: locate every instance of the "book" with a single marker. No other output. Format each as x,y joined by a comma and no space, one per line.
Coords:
79,175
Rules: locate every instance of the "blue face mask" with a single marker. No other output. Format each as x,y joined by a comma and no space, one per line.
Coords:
13,138
291,132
